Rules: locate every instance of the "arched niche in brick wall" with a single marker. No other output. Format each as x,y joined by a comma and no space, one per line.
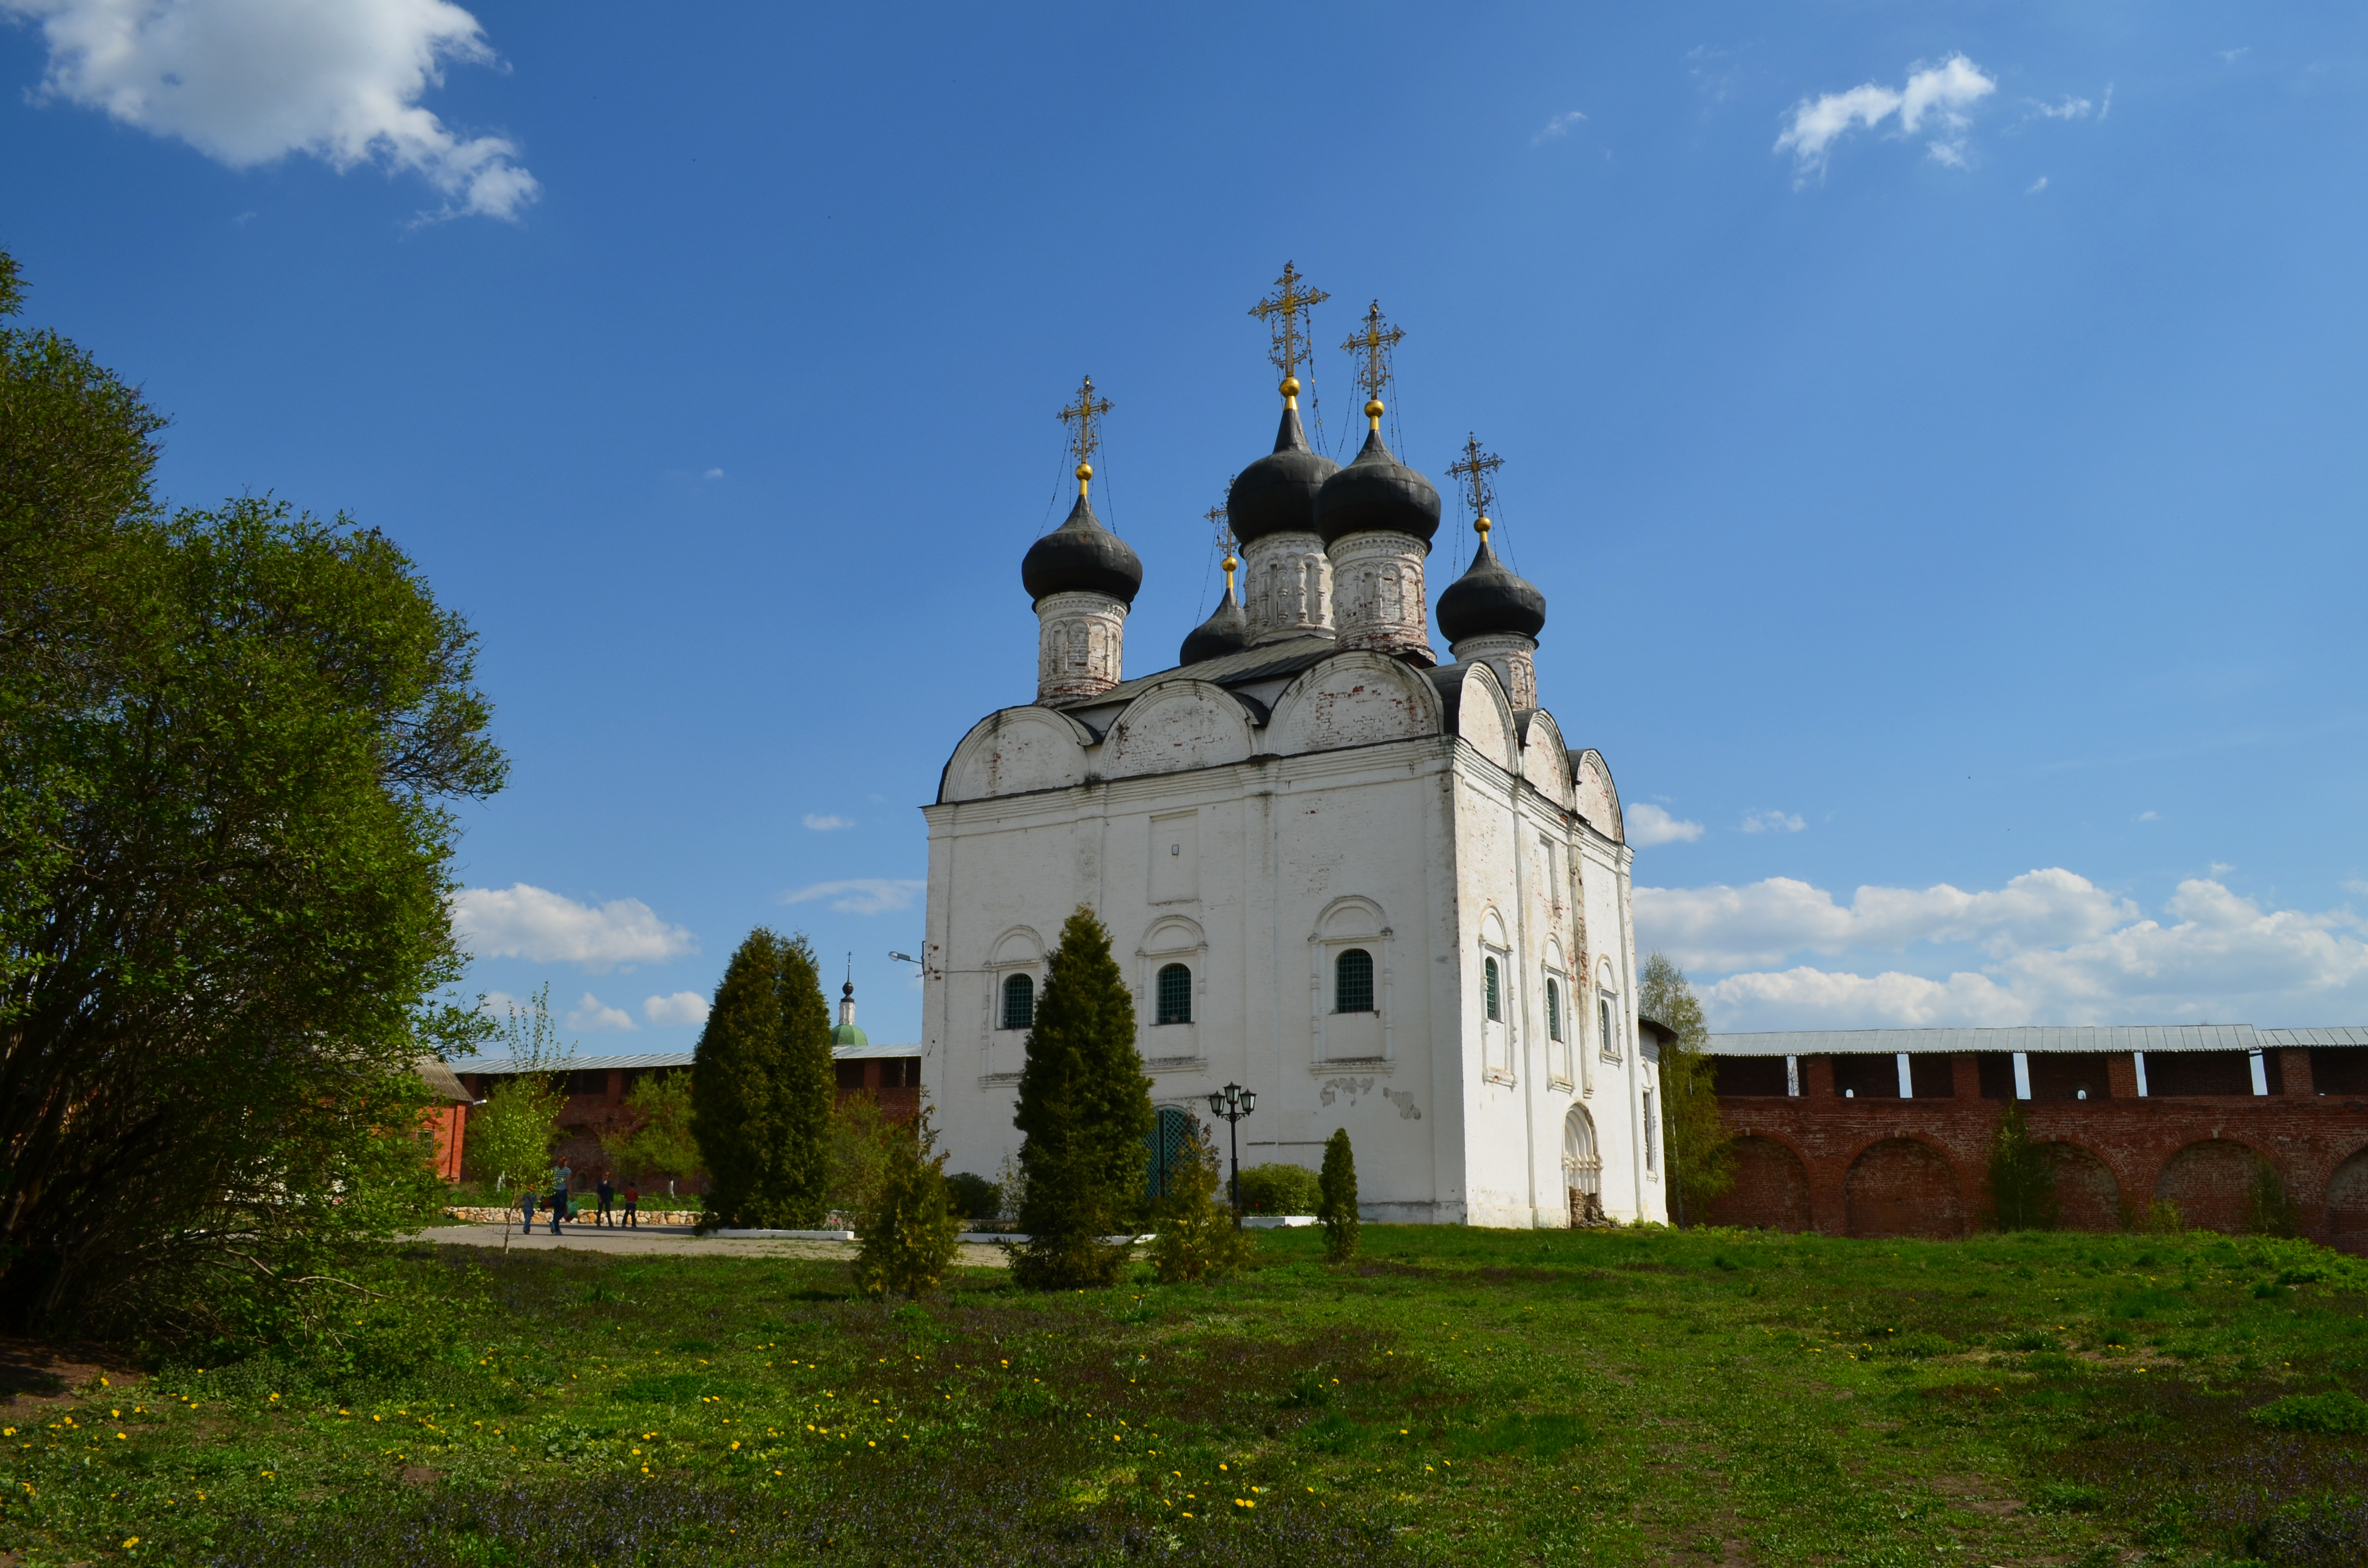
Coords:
2087,1196
2213,1182
1902,1188
1770,1190
2347,1206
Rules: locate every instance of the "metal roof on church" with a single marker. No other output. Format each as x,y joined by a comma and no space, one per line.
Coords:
1234,669
2119,1037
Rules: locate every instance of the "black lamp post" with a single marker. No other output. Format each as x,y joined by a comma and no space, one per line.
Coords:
1232,1102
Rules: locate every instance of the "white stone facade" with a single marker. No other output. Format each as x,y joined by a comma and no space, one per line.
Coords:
1080,639
1260,819
1377,595
1287,588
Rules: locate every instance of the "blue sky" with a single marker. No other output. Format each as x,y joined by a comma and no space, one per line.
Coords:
1937,430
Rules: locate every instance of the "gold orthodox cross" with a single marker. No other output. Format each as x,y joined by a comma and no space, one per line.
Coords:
1285,315
1084,415
1474,470
1373,346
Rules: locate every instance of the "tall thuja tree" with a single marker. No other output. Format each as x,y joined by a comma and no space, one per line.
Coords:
1700,1143
229,745
1084,1108
2023,1182
761,1088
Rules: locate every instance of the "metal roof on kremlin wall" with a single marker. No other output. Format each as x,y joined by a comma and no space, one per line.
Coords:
2107,1038
502,1067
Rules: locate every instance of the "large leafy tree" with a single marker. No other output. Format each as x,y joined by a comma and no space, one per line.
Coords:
230,743
1701,1144
761,1088
1084,1108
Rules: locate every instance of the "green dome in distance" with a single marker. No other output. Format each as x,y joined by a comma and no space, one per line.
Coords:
845,1035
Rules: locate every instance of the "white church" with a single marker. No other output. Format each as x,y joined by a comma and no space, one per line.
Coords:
1379,891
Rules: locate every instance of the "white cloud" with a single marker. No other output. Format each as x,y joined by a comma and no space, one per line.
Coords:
2149,816
2035,187
248,82
1773,821
2070,109
827,824
1648,823
2234,55
1939,93
861,895
1559,126
682,1007
2058,951
2107,108
591,1013
714,474
526,922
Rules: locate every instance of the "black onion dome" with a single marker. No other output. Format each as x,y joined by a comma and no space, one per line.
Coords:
1376,493
1228,631
1490,599
1081,556
1277,494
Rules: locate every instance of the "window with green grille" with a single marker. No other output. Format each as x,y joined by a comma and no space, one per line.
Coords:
1174,994
1553,1009
1352,981
1495,1005
1020,1002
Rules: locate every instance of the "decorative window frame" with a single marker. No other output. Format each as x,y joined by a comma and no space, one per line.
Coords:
1607,1010
1348,921
1171,939
1019,950
1560,1047
1499,1052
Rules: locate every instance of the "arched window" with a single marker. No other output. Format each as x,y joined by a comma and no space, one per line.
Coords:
1495,1005
1608,1041
1174,994
1020,1002
1553,1008
1352,981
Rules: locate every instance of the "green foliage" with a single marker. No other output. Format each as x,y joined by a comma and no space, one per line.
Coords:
762,1088
1337,1208
2338,1413
1701,1144
2162,1218
510,1136
2022,1180
1084,1110
1280,1189
863,1143
910,1230
975,1196
2269,1212
1197,1237
229,745
659,1143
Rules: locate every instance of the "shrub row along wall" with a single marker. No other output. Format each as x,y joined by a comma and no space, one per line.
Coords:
1871,1163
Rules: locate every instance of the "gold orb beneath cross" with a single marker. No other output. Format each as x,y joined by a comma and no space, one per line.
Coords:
1481,528
1085,470
1290,386
1373,409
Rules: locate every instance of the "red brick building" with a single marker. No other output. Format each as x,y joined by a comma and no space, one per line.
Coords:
1886,1133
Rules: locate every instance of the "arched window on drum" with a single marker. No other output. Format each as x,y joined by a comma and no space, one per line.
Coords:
1352,981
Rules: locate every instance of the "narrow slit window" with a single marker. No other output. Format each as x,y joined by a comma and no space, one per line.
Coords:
1553,1009
1020,1002
1610,1041
1652,1135
1174,994
1495,1003
1352,981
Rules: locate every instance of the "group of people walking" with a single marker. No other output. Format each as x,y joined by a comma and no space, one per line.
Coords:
561,1205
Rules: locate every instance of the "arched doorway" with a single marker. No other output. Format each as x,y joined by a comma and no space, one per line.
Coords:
2087,1196
1582,1167
1770,1190
2211,1183
1166,1139
2347,1206
1901,1188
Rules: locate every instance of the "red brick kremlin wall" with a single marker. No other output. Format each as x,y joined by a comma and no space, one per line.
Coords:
1887,1166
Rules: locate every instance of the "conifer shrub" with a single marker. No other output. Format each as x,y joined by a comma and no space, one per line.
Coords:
2022,1181
1197,1237
1281,1189
1338,1208
762,1089
1084,1113
975,1196
911,1230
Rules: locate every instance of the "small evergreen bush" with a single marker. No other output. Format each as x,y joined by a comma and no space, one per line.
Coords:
1338,1206
910,1230
1197,1237
975,1196
1281,1189
2022,1181
762,1089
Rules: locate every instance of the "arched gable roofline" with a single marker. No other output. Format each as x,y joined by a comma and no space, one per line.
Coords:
1176,726
1020,944
1472,705
1013,751
1350,915
1581,764
1546,759
1350,700
1171,933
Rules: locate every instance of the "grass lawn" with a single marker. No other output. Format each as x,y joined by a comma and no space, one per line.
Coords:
1467,1396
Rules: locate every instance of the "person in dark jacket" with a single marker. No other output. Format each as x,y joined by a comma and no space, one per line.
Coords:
561,1181
607,1190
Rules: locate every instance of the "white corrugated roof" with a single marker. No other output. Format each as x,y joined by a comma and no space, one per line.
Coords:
2113,1037
2343,1035
500,1067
